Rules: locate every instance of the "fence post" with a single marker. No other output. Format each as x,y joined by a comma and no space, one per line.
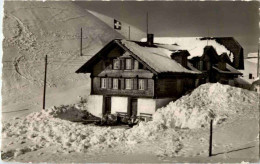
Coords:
210,137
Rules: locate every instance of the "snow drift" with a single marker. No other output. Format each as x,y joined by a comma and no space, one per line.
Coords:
207,101
52,126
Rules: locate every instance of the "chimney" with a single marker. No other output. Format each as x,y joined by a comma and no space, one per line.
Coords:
150,39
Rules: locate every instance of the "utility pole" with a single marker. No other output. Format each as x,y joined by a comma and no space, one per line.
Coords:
258,62
210,138
44,88
129,32
81,41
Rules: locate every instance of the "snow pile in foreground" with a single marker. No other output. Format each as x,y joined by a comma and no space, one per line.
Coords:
52,126
194,110
75,112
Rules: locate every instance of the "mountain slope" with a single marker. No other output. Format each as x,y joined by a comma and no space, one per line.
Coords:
35,29
135,33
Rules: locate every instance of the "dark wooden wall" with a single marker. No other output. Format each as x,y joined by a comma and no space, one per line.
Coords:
148,92
173,86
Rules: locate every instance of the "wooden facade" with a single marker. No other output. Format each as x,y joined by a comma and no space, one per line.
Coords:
121,74
155,86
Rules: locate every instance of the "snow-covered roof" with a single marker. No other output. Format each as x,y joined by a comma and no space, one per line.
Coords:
158,58
195,45
230,70
256,81
252,57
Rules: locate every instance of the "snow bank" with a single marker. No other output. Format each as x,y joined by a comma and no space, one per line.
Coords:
52,126
195,110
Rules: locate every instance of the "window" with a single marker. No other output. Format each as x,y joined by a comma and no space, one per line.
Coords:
103,83
128,64
141,66
136,64
115,83
141,84
250,76
116,64
128,83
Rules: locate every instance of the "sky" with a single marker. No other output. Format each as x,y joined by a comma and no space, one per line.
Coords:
188,19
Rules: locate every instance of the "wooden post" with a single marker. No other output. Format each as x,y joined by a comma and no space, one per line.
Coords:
80,41
44,88
147,23
210,138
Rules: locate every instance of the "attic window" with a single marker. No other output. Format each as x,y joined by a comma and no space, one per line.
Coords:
128,64
116,64
141,66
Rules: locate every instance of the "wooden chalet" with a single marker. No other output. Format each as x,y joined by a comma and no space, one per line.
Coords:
136,78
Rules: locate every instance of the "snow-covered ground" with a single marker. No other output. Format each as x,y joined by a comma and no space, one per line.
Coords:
34,29
178,132
29,134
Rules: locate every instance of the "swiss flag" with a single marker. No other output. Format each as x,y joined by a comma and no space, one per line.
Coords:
117,25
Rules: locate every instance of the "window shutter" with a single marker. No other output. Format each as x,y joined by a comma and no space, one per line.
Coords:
99,81
119,83
135,83
113,64
132,63
109,83
122,83
122,63
132,83
145,84
136,64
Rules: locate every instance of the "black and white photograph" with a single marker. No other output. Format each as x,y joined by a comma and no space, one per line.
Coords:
130,81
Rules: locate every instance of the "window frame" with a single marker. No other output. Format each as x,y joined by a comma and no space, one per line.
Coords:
131,84
141,84
103,83
114,62
117,84
128,64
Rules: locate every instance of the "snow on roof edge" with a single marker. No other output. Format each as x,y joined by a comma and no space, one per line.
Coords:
149,55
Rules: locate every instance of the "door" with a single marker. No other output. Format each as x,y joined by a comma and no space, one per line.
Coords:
107,105
133,107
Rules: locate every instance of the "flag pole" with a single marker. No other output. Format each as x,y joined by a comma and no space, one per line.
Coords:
147,22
